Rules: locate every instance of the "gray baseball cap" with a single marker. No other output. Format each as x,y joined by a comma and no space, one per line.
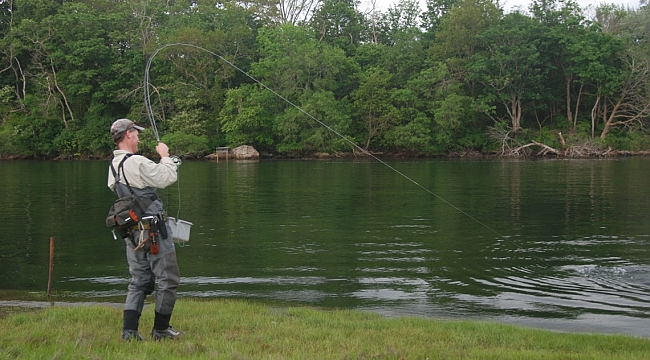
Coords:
120,126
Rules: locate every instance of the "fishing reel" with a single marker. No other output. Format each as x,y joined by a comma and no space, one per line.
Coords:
177,160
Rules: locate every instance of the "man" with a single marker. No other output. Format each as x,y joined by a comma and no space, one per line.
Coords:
147,266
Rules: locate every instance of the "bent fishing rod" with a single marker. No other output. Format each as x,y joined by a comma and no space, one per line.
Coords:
329,128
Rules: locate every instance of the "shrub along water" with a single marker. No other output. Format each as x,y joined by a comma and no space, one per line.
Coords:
233,329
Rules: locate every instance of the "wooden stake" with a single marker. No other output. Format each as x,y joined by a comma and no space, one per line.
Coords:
49,280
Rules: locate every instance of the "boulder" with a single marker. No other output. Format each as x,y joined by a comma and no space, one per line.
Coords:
244,152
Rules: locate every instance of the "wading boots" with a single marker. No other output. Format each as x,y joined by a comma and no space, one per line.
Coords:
128,335
168,333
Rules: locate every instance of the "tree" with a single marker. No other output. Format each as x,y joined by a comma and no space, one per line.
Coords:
403,36
450,107
308,74
338,23
629,103
372,103
296,12
629,106
563,26
610,17
595,60
11,74
456,41
70,58
298,132
400,21
410,126
430,112
510,70
432,16
247,116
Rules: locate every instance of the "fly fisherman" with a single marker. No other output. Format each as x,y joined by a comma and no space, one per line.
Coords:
151,257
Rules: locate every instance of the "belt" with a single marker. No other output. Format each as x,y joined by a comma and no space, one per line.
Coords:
144,226
145,222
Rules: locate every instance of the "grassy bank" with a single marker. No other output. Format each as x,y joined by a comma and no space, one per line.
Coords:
227,329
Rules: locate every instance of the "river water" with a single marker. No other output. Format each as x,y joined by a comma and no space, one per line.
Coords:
554,244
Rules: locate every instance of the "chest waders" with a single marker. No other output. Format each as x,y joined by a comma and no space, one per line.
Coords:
152,264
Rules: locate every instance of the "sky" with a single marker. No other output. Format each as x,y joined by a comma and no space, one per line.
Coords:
509,5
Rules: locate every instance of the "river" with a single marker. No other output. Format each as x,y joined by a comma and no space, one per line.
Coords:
554,244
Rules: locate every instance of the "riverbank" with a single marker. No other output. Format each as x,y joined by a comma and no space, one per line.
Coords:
235,329
474,155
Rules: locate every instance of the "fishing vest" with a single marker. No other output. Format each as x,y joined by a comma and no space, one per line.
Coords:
120,189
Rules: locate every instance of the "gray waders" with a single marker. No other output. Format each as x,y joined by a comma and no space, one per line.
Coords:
149,271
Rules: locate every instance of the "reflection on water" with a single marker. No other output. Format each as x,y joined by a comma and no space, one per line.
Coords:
558,244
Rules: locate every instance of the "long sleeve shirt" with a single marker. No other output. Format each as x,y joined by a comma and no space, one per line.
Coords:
142,172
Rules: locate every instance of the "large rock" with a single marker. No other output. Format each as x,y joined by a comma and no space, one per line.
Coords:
244,152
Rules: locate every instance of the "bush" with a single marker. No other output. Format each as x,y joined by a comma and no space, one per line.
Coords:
183,144
627,140
8,147
549,137
478,140
65,143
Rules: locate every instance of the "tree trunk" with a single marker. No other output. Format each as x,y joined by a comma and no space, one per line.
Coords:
594,115
569,115
610,119
514,112
575,113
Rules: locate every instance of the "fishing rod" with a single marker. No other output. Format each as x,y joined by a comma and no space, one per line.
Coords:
352,143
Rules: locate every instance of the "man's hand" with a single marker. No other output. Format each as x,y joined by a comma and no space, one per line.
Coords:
162,150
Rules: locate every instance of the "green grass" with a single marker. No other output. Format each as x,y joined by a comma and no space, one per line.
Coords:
231,329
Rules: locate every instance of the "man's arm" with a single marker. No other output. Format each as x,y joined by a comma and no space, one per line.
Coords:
159,175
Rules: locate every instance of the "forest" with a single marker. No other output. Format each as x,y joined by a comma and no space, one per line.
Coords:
303,77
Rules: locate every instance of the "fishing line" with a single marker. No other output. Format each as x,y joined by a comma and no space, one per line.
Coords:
354,145
147,103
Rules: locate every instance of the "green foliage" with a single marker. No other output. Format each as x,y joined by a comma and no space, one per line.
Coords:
299,132
339,24
477,140
246,117
414,135
510,69
435,11
548,137
450,114
188,115
8,143
7,97
456,39
148,142
627,140
183,144
370,55
374,110
399,80
94,140
66,142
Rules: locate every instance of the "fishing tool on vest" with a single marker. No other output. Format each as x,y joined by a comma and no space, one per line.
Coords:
142,240
153,237
152,226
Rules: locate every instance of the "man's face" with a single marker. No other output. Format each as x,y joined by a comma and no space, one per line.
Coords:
134,139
